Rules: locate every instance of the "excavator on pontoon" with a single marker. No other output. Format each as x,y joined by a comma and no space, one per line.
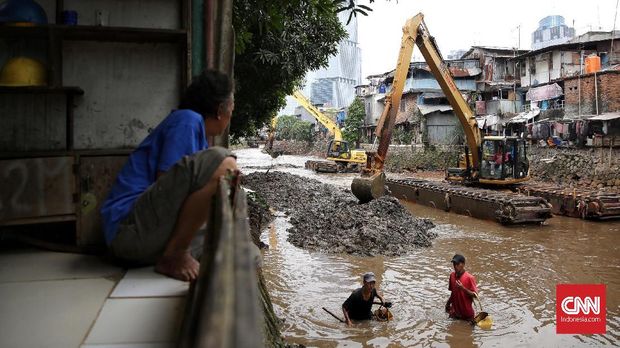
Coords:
489,161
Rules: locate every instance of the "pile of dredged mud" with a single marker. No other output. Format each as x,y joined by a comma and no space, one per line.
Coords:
329,219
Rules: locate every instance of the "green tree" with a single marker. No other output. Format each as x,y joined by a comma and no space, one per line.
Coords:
284,126
289,127
402,136
354,121
277,43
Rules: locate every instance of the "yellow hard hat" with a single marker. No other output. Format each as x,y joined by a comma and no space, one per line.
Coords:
23,71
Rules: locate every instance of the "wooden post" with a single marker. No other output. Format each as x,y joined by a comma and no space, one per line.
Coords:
223,308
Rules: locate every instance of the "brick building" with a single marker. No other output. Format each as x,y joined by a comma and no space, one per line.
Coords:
586,96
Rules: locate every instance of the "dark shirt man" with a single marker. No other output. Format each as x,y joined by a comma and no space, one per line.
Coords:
359,304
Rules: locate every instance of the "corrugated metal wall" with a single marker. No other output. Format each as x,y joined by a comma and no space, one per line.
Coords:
441,127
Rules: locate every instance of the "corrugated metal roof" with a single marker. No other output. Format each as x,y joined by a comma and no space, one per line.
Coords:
503,52
456,71
433,95
579,43
524,116
605,117
465,72
427,109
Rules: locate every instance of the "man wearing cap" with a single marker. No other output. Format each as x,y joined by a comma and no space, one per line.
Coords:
359,304
463,287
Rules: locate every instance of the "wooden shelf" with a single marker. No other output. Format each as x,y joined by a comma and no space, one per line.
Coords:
96,33
121,34
41,90
64,153
17,32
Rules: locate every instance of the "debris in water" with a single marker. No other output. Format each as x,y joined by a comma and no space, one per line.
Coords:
329,219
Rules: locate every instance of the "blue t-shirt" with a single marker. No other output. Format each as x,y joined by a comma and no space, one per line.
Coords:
182,133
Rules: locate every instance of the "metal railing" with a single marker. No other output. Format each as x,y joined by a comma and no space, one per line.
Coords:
223,305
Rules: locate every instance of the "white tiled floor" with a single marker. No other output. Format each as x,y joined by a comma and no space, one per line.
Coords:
144,282
138,320
30,264
61,300
53,313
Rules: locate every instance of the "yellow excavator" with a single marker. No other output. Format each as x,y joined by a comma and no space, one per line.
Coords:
270,138
338,150
491,160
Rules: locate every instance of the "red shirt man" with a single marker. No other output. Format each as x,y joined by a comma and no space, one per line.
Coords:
463,287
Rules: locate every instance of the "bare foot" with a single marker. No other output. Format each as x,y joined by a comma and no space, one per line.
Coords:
179,266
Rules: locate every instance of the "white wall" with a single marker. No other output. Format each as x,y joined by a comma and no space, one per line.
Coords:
128,88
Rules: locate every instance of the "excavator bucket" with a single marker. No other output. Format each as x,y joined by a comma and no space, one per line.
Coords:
368,188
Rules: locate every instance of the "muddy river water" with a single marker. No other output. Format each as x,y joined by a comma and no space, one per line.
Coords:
517,269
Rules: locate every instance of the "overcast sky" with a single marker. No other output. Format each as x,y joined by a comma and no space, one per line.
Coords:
457,24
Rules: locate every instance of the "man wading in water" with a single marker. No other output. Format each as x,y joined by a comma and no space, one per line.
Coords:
358,306
463,287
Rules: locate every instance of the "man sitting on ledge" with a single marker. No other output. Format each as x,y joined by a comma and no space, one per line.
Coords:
162,196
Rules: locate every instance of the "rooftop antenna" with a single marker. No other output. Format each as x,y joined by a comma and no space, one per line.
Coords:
613,34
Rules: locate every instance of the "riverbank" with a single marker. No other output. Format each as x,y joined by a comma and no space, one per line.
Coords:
589,167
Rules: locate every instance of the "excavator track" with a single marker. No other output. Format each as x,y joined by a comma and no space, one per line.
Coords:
576,202
330,167
505,208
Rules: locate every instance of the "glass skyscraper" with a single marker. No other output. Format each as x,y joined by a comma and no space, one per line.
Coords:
334,86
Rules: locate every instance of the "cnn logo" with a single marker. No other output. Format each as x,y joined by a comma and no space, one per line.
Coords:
574,305
580,309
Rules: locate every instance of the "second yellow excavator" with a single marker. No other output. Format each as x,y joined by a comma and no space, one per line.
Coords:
340,156
491,160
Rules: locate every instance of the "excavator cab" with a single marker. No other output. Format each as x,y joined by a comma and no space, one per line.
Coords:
503,160
338,150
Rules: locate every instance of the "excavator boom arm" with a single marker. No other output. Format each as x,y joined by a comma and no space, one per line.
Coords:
448,86
385,126
415,32
327,122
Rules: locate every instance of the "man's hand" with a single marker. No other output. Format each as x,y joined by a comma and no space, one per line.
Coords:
459,284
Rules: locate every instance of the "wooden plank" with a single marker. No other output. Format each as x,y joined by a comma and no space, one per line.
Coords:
250,319
233,318
41,90
36,187
217,315
121,34
39,220
95,33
